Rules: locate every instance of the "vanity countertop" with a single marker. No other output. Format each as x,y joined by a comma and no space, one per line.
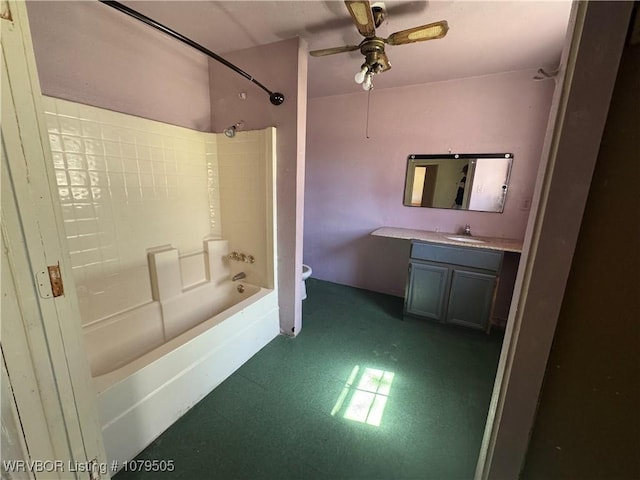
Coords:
503,244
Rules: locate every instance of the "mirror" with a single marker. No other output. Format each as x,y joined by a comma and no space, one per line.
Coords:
475,182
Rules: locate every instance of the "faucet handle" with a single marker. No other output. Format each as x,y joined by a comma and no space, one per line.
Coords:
233,256
467,229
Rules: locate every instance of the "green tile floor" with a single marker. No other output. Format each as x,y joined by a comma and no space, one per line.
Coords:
414,393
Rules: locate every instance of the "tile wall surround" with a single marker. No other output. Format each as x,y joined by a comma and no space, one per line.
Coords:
127,184
243,167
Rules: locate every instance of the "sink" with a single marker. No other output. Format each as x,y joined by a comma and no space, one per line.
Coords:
465,239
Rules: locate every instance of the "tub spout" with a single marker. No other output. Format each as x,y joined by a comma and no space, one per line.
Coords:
238,276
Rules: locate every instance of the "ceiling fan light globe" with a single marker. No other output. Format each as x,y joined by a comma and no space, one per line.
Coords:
367,84
361,75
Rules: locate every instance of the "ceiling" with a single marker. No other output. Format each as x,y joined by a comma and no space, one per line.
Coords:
484,37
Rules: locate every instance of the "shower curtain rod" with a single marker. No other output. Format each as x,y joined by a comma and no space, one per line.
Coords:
276,98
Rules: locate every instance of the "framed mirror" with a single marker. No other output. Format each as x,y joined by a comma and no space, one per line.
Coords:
477,182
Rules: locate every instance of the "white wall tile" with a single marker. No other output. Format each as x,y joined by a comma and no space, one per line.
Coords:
127,135
49,105
67,109
91,130
72,144
55,142
58,160
112,148
52,123
242,194
110,132
96,162
126,184
128,150
70,126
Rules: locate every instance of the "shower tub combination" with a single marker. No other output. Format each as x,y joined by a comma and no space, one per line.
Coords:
153,363
163,329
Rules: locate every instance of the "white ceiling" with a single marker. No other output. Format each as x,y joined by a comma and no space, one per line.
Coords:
484,37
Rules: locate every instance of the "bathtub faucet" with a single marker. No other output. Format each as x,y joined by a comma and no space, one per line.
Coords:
238,276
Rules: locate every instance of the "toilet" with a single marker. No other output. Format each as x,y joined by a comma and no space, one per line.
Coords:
306,273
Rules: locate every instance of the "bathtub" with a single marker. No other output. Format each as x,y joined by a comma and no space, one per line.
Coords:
175,352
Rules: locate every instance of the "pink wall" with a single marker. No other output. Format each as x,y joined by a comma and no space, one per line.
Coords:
89,53
354,185
281,67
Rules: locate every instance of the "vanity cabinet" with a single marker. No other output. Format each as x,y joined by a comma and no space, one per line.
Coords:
452,284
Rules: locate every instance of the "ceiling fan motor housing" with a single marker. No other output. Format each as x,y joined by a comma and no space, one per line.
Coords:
372,48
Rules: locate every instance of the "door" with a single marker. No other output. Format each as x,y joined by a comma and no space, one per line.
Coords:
12,443
49,387
471,298
429,189
427,290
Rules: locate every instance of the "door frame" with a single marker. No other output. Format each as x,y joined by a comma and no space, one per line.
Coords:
590,59
42,344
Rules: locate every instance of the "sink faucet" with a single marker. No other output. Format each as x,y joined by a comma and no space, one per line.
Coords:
238,276
467,230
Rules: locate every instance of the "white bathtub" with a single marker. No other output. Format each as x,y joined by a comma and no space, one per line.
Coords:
144,384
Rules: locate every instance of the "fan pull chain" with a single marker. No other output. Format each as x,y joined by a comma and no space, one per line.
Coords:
368,104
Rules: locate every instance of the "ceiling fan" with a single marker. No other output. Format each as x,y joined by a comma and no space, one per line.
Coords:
367,18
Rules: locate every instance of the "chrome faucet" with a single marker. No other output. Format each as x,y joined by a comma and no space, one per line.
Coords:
238,276
467,230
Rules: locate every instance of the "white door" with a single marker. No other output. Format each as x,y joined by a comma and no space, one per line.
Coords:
12,444
47,389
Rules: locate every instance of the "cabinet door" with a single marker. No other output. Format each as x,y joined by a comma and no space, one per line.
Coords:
427,290
471,298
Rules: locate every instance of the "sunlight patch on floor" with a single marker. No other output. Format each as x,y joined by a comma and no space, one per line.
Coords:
366,400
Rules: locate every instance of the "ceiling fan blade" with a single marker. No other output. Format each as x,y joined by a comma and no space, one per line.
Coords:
330,51
419,34
363,18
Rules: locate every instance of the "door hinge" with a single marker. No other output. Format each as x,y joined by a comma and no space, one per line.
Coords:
50,282
94,470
